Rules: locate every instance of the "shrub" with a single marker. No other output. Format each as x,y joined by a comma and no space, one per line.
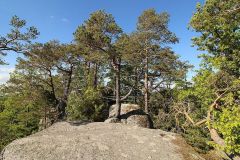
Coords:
86,106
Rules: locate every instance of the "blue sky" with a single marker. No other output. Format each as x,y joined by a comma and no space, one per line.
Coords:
58,19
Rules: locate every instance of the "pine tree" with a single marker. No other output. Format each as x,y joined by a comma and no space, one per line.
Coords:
98,34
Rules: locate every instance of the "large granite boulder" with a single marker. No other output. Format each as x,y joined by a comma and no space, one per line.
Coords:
125,108
140,120
131,114
99,141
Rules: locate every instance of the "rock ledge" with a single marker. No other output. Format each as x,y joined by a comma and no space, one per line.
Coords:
99,141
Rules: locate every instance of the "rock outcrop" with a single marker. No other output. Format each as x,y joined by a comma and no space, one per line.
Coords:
100,141
131,114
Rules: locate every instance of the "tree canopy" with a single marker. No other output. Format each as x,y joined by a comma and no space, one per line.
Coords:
16,40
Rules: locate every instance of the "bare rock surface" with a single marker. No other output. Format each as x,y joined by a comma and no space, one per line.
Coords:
131,114
99,141
125,108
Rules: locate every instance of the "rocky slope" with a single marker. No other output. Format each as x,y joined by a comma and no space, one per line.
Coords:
100,141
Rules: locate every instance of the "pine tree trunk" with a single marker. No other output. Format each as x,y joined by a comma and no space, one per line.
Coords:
116,68
146,96
95,81
118,102
61,109
136,86
63,101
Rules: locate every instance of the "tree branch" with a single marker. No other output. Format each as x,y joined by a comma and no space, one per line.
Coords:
125,97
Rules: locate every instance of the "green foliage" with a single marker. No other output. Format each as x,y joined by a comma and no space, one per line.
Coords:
165,121
98,33
197,137
20,117
17,40
152,27
228,124
217,83
23,104
218,22
86,106
207,85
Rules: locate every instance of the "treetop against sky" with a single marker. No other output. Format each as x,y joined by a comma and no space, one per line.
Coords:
59,19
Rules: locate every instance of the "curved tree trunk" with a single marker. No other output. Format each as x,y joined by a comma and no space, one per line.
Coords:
216,138
213,132
220,141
